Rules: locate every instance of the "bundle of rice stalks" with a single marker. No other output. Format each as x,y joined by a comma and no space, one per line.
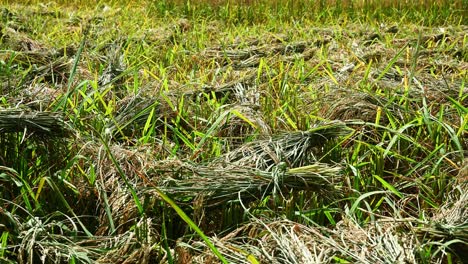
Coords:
116,65
218,184
139,245
55,71
37,138
288,242
40,123
449,225
295,149
243,118
280,163
258,168
45,64
250,56
240,121
18,41
115,182
40,95
237,78
48,240
133,113
339,105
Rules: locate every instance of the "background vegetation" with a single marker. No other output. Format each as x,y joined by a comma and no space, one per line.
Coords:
233,131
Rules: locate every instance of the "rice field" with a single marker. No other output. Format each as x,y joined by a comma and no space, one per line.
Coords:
233,131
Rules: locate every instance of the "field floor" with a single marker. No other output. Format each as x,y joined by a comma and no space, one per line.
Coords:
234,132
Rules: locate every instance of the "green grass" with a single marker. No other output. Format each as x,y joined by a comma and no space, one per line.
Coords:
234,132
